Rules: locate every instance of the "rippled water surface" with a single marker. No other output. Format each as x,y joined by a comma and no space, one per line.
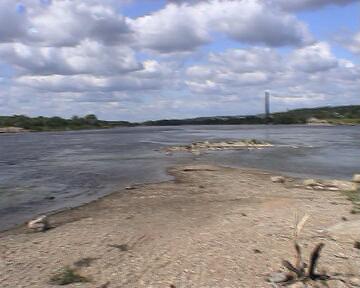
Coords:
41,172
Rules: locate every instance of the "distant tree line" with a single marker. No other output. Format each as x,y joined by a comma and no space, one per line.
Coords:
337,115
208,121
57,123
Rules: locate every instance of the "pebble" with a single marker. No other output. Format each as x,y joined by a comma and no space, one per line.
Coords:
355,281
278,179
356,178
277,277
341,255
357,244
39,224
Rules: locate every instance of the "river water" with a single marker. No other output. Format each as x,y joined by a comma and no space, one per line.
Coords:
42,172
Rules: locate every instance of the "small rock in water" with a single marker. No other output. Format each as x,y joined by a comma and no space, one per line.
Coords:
129,187
278,179
39,224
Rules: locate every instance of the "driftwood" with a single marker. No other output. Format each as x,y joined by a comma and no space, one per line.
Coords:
304,273
299,271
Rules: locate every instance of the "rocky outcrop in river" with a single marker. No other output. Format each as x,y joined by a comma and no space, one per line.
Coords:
197,147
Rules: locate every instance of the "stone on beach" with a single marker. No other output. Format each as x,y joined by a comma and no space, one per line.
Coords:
278,179
277,277
342,185
310,182
356,178
347,231
355,282
331,185
39,224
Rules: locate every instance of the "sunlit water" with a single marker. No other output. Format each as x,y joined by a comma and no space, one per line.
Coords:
42,172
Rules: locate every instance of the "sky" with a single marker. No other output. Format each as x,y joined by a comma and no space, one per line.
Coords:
140,60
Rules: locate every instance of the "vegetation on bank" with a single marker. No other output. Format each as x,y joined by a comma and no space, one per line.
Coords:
66,276
331,115
354,197
56,123
341,115
228,120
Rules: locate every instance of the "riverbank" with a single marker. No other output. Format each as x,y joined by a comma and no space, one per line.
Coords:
12,130
209,227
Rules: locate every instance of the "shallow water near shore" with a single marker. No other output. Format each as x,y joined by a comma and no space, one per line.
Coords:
42,172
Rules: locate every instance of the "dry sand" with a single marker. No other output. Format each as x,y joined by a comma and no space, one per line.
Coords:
210,227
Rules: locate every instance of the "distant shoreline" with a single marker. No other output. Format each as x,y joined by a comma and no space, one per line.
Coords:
18,130
340,115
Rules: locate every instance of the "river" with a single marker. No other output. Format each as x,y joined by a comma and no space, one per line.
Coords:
49,171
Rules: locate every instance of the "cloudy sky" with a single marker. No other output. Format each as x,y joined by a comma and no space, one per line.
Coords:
149,59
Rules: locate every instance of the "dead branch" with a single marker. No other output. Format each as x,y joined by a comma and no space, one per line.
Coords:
300,266
314,260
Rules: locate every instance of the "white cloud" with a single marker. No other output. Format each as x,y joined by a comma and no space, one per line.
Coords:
61,22
231,70
313,58
254,22
66,23
67,52
13,24
152,76
185,27
311,74
308,4
354,43
88,57
172,29
291,5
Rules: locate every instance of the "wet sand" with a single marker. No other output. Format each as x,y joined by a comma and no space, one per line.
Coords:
209,227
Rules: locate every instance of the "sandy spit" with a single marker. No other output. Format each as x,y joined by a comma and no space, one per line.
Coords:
211,227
